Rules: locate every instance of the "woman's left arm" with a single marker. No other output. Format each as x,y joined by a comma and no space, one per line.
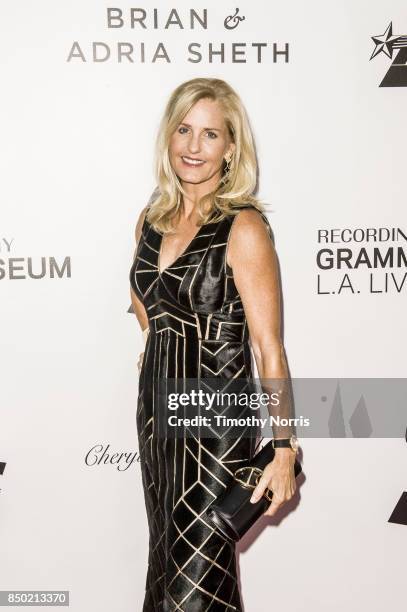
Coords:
253,259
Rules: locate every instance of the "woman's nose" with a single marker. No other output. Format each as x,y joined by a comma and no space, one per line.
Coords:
194,143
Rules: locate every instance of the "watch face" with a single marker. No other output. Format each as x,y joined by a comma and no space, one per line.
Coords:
294,443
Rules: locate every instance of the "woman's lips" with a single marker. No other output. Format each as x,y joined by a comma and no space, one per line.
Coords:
191,162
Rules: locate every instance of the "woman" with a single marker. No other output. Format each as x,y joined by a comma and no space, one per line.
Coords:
201,289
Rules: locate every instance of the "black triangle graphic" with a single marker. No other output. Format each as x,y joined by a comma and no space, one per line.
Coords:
396,76
399,514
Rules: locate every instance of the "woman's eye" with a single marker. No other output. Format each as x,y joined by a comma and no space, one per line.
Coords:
182,130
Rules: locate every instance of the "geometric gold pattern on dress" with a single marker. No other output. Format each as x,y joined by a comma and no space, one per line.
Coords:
198,330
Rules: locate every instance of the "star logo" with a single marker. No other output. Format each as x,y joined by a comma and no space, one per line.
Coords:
386,43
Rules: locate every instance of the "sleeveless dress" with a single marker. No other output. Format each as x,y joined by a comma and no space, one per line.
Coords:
198,329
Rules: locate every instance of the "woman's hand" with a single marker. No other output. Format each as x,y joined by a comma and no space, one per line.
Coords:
140,362
279,476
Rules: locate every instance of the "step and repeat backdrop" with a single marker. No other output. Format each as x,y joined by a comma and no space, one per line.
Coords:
84,85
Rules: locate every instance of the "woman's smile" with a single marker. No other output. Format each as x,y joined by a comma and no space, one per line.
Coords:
192,161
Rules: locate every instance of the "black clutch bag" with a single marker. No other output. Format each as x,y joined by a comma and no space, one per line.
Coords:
232,512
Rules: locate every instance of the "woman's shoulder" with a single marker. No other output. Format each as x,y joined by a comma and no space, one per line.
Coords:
250,235
250,218
141,222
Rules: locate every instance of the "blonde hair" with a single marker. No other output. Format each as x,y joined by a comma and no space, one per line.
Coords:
238,185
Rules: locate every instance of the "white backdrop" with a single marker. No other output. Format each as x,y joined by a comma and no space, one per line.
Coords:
77,153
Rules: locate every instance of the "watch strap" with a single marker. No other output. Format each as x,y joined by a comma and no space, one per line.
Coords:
282,443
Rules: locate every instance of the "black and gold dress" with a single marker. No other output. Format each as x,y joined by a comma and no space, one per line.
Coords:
198,329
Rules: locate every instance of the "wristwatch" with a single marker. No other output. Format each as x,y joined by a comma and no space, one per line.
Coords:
286,443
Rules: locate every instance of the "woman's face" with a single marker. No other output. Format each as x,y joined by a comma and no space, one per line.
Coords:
200,143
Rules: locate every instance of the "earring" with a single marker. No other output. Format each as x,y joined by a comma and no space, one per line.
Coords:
225,177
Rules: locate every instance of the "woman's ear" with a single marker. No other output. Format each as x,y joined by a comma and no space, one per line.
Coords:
231,150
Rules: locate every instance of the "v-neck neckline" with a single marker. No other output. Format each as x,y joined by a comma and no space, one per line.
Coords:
184,252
